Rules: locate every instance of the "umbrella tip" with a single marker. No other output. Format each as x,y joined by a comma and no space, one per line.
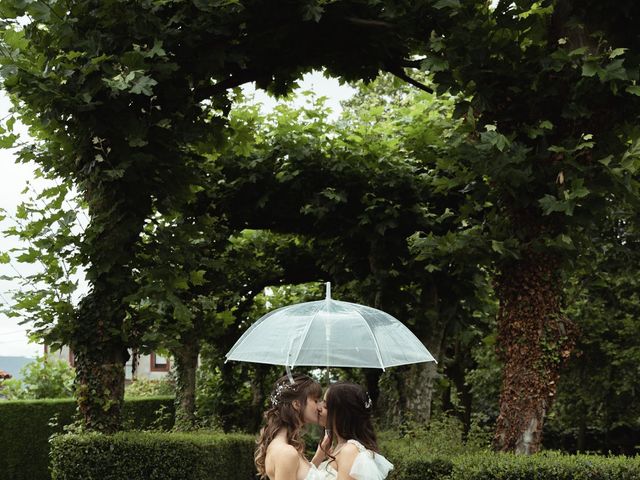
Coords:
328,284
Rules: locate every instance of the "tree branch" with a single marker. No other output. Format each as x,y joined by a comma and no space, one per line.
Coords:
399,72
369,23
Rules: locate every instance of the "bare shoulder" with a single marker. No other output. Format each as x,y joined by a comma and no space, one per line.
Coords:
347,455
284,454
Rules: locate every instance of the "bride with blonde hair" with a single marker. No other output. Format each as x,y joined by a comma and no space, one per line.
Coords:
280,448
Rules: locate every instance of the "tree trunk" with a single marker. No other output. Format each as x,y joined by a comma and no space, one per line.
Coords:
419,389
117,215
406,393
100,387
534,339
186,361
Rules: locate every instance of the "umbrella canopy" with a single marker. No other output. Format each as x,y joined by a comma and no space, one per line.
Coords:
329,333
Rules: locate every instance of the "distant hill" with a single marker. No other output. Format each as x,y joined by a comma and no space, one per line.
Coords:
14,364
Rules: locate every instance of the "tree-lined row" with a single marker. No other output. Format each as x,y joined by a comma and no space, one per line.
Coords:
133,110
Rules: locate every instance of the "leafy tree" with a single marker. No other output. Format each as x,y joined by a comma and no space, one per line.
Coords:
550,96
597,404
360,189
47,226
119,100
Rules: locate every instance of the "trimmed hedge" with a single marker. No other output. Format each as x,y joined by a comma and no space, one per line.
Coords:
545,466
153,456
502,466
26,425
418,457
209,456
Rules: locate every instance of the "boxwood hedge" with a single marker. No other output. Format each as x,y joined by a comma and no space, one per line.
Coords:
26,425
153,456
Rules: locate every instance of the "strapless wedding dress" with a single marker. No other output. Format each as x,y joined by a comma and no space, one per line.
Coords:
368,465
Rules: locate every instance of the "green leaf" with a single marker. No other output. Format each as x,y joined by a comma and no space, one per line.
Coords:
197,277
440,4
144,85
578,52
589,69
633,89
551,204
497,246
617,52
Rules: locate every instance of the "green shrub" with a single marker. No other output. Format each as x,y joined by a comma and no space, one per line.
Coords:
153,456
24,435
545,466
26,425
150,388
421,453
431,455
148,413
44,377
414,458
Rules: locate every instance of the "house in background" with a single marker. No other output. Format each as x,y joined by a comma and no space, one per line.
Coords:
147,367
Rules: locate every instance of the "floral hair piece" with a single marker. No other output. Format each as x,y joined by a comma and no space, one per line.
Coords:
280,389
368,402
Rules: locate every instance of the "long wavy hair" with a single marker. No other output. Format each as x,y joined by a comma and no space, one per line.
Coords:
282,414
349,414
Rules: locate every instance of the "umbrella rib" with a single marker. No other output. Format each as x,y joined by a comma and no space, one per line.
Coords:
304,335
375,340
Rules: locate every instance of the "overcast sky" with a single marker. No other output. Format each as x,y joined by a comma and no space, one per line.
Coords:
14,178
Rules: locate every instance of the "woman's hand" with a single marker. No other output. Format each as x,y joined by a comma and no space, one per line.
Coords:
324,448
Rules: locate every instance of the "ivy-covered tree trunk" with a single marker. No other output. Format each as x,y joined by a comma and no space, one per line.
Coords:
186,361
100,379
117,213
534,339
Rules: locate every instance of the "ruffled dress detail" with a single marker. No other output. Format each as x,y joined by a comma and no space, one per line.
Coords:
315,474
368,465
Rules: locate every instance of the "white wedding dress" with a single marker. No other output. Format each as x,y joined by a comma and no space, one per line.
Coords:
368,465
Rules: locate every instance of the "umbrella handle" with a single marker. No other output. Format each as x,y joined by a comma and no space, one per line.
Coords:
291,380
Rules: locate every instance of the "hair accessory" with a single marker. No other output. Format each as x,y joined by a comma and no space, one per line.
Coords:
279,390
368,403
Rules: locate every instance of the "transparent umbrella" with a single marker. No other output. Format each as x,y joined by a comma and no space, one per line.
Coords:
329,333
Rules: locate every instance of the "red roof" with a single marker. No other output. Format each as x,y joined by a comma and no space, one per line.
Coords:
4,375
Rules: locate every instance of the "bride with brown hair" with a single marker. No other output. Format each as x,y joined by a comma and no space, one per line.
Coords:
280,449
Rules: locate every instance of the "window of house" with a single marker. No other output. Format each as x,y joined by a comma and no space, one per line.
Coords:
159,363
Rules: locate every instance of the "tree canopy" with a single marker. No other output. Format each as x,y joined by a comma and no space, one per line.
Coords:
507,172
